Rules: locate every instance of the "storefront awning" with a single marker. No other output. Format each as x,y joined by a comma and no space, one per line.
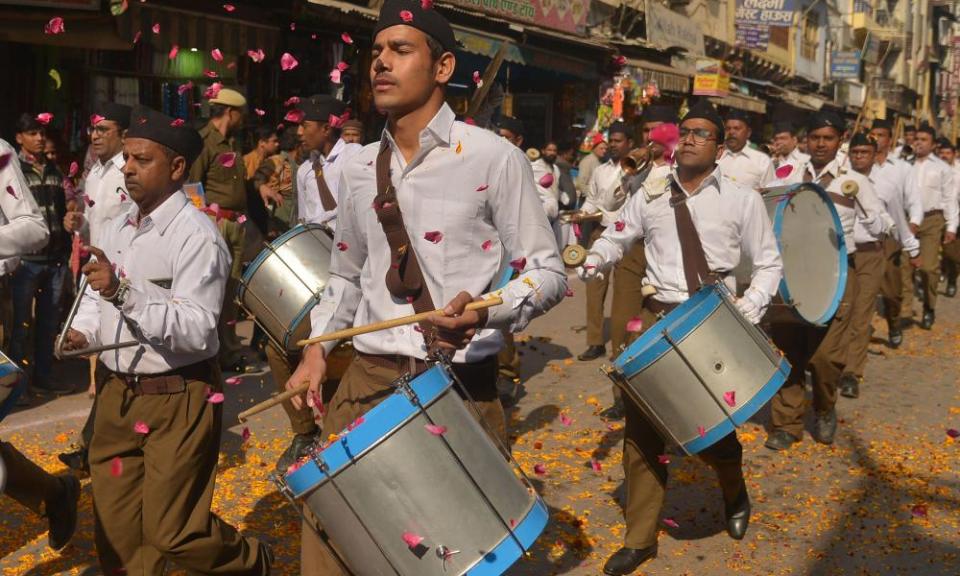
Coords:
667,78
85,30
483,44
805,101
741,102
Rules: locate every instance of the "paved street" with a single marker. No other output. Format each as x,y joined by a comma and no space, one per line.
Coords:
884,499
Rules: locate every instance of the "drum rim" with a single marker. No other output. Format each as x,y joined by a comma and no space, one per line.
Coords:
304,312
842,254
10,402
257,262
505,553
379,422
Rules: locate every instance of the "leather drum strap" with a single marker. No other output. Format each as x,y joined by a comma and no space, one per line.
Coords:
824,182
326,197
404,277
695,268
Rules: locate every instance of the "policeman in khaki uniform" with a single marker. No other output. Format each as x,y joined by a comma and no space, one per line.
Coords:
22,230
221,170
158,279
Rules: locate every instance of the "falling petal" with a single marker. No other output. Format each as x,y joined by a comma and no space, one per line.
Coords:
74,169
54,26
256,55
177,122
215,398
141,427
635,324
482,188
663,459
671,522
426,4
342,246
412,540
229,7
137,36
259,111
730,398
288,62
519,264
291,101
12,192
211,74
477,79
44,118
231,65
119,9
241,218
56,78
293,26
174,50
228,159
784,171
436,429
156,28
406,15
470,121
701,431
216,54
5,159
434,236
342,66
486,245
231,322
294,116
539,469
213,90
232,381
565,420
335,76
619,225
919,511
546,180
116,467
595,464
245,434
346,38
335,121
96,119
953,433
619,59
184,87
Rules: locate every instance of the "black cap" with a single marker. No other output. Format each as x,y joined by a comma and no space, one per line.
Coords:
735,114
511,124
884,123
619,127
824,119
705,110
319,107
944,142
781,126
909,128
119,113
413,13
861,139
149,124
928,129
660,113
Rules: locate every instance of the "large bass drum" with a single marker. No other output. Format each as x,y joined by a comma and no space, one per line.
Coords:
12,384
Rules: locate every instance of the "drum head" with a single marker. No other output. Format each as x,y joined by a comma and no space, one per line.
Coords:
810,237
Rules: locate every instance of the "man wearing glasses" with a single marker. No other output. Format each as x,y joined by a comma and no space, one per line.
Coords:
699,209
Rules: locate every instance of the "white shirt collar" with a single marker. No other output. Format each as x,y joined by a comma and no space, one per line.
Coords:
162,216
713,179
437,133
117,161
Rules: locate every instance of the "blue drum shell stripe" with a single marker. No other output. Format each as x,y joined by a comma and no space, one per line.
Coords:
377,423
841,248
498,560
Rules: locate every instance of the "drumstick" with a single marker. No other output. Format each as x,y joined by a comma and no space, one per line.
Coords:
403,321
273,401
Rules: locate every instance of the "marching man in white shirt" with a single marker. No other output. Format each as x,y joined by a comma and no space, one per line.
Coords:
728,220
460,205
739,161
158,280
786,149
932,180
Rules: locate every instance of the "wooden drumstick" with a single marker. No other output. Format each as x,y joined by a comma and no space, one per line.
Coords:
272,401
487,302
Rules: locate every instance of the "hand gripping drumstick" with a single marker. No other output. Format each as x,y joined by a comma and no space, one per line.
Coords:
487,302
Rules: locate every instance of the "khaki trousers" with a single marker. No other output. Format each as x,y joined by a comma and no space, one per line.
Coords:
27,483
931,238
282,366
364,386
646,477
157,508
627,297
823,350
951,261
892,286
230,345
869,271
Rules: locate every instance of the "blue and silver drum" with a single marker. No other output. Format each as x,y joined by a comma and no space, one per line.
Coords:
12,384
417,487
814,253
701,371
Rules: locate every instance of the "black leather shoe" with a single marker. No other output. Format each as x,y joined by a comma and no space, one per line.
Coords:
62,513
780,440
738,515
928,318
592,353
298,448
849,386
895,335
614,412
951,289
825,428
626,560
76,460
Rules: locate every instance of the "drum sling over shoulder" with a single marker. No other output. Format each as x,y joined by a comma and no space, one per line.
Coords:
695,268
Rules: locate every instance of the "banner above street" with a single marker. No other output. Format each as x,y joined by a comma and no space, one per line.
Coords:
564,15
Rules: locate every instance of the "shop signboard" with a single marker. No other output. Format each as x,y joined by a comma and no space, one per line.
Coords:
563,15
711,79
845,65
755,17
666,29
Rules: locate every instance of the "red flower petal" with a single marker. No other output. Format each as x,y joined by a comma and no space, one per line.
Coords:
294,116
519,264
293,26
663,459
701,431
482,187
346,38
619,225
216,54
137,36
44,118
213,90
96,119
227,159
177,122
215,398
953,433
229,7
232,381
412,540
184,87
288,62
342,246
12,192
671,522
730,398
565,420
156,28
141,427
245,435
291,101
342,66
434,236
436,429
351,426
595,464
486,245
539,469
54,26
335,76
784,171
406,16
259,111
116,467
635,324
569,293
919,511
546,180
210,73
256,55
74,168
426,4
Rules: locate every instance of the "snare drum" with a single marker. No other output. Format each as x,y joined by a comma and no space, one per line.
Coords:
388,483
701,371
12,384
284,282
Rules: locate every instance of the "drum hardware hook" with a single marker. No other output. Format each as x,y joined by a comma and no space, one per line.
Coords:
445,554
403,386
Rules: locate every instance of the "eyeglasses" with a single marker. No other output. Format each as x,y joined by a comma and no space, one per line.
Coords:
100,130
700,135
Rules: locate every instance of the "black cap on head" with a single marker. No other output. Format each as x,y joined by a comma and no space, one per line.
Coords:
909,128
735,114
861,139
825,119
319,107
781,126
619,128
928,129
412,13
660,113
882,123
705,111
944,142
151,125
511,124
119,113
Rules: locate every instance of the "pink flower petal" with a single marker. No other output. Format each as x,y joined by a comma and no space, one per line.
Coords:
565,420
216,54
412,540
342,66
116,467
730,398
346,38
335,76
619,59
784,171
342,246
293,26
155,28
919,511
184,87
232,381
434,236
96,119
44,118
245,435
211,74
259,111
701,431
671,522
215,398
663,459
436,429
177,122
353,425
487,244
426,4
137,36
953,433
141,427
256,55
406,16
482,187
619,225
539,469
74,169
294,116
228,159
241,218
88,200
477,79
231,65
288,62
12,192
291,101
54,26
546,180
519,264
213,90
635,324
595,464
336,121
229,7
569,293
575,228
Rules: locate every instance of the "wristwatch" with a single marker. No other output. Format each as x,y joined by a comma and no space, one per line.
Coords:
120,296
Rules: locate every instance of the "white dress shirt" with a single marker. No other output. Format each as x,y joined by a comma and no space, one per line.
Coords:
605,192
177,265
889,180
309,206
549,195
474,188
931,179
731,221
795,159
106,188
22,228
746,167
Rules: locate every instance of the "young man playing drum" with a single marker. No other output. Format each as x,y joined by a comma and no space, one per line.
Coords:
460,205
713,221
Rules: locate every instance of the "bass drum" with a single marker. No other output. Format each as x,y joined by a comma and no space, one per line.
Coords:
12,384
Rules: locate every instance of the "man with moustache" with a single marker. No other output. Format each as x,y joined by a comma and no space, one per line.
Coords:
740,162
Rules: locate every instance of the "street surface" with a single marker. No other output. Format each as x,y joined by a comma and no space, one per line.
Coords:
884,499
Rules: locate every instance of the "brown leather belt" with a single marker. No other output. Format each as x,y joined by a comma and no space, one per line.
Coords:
172,382
402,364
929,213
658,307
874,246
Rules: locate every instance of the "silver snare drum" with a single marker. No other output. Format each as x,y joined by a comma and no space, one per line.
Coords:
283,284
12,384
